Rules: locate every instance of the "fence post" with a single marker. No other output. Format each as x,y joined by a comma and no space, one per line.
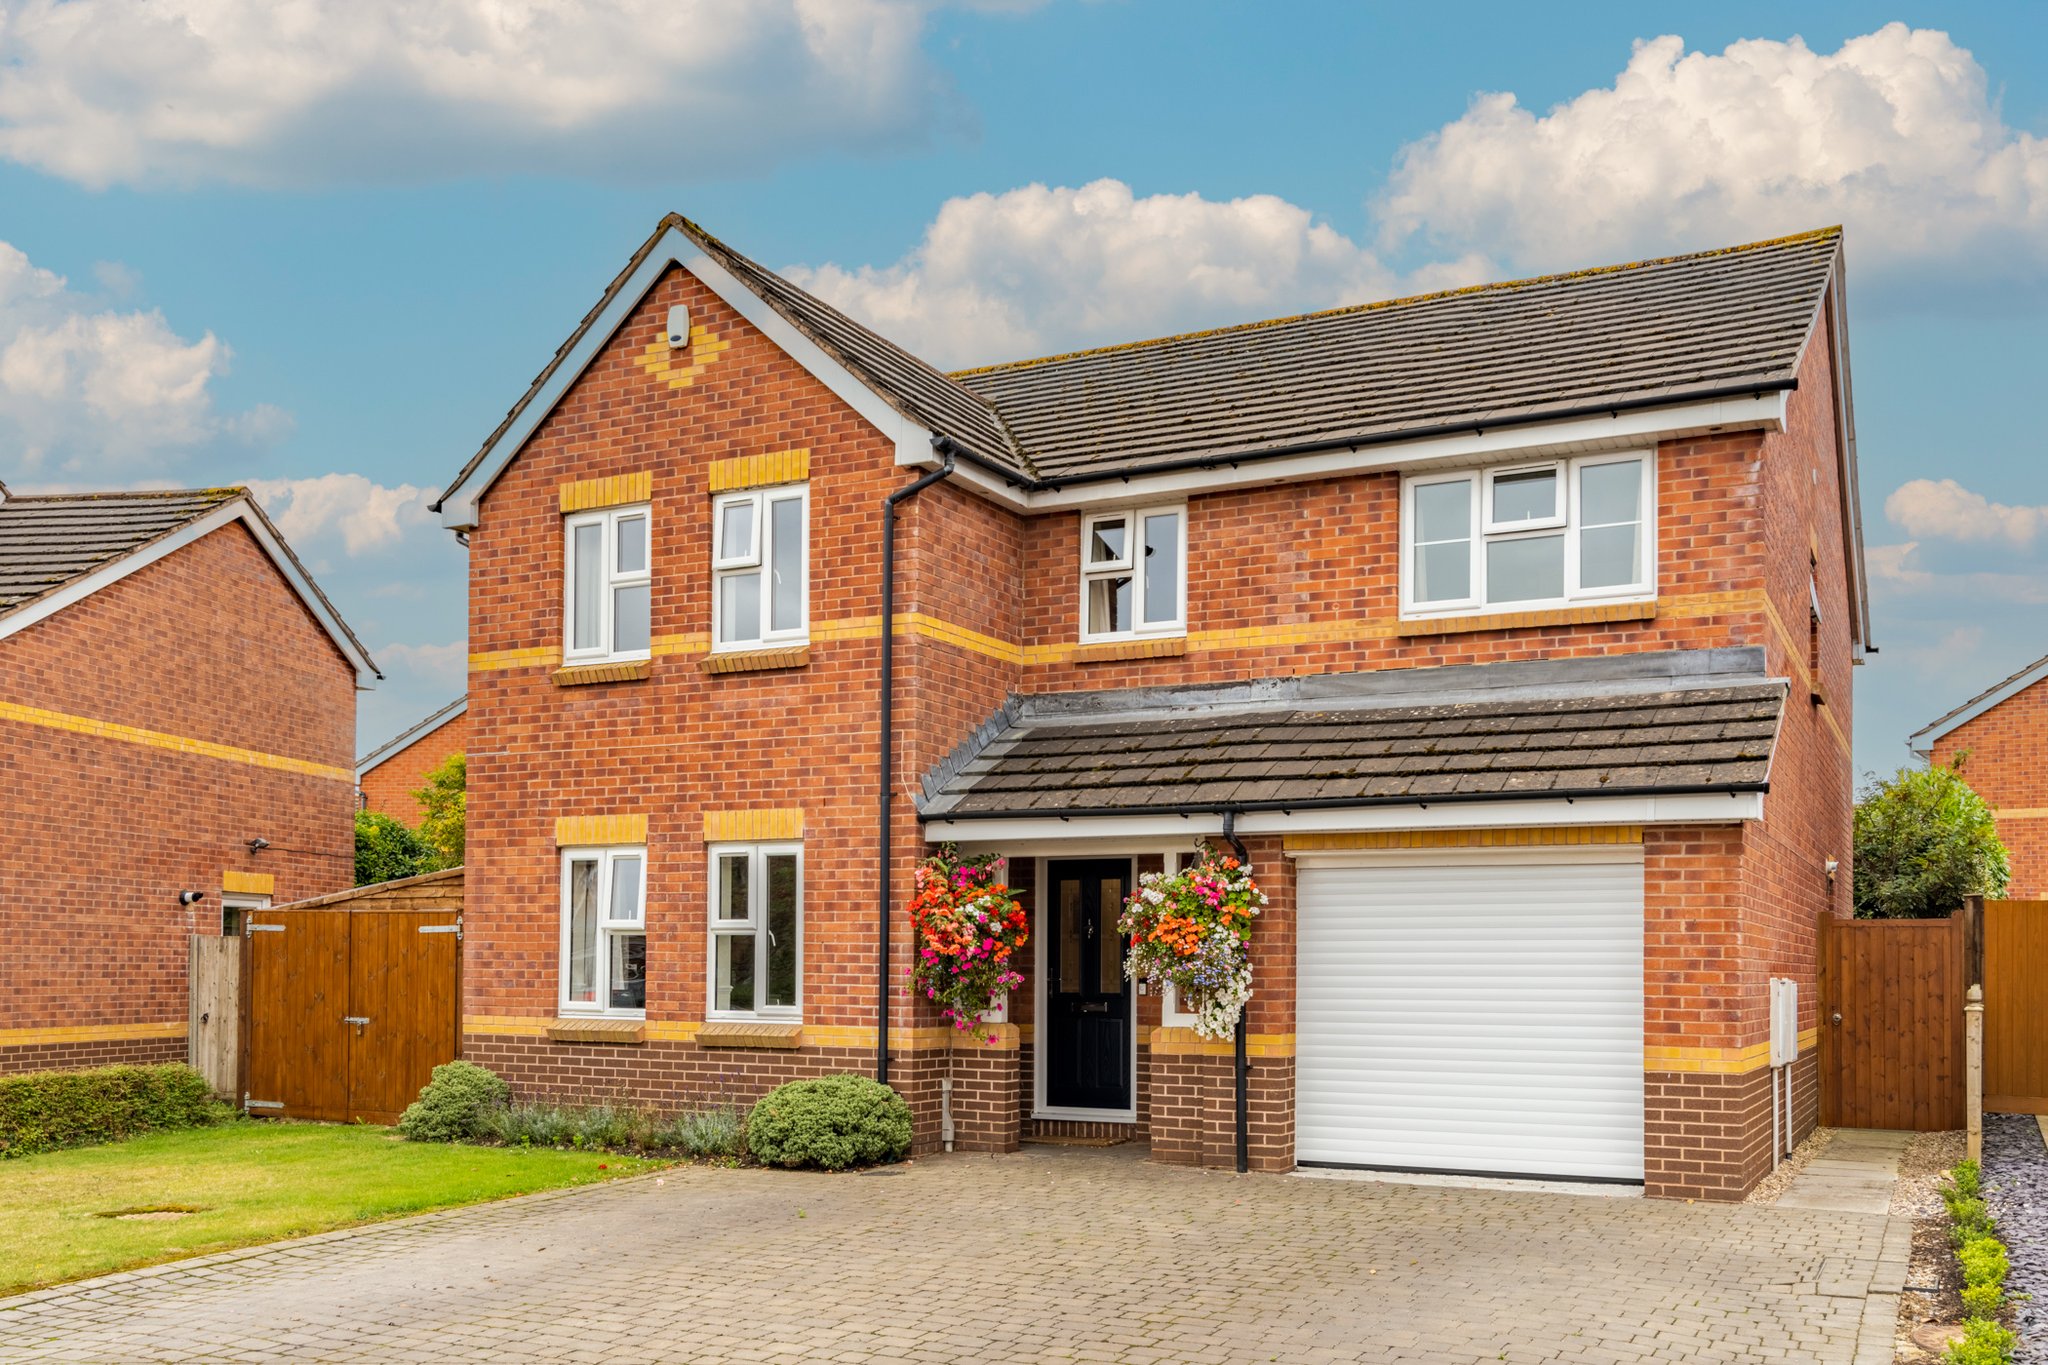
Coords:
1973,1072
1973,940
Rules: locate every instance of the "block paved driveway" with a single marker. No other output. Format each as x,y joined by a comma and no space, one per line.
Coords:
1052,1254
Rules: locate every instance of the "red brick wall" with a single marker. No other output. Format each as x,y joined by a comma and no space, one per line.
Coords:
102,834
388,788
2007,762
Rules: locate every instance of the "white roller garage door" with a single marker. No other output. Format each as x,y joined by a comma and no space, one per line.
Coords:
1477,1014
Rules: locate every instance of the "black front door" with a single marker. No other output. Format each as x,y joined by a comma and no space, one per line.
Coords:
1087,1001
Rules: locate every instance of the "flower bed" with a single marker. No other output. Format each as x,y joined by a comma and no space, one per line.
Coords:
1192,930
1982,1257
969,930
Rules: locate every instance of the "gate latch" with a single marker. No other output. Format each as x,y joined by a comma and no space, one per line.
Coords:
358,1020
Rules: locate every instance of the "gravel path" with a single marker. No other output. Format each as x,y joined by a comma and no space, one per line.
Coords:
2016,1188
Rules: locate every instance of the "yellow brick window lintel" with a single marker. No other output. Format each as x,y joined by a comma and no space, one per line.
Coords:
599,830
752,826
620,490
760,471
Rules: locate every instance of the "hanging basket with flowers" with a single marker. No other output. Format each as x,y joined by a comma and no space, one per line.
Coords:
1192,930
969,928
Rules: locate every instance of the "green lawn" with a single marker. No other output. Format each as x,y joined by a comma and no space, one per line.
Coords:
248,1182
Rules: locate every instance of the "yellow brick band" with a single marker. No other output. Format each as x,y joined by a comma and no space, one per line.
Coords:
156,739
748,826
847,1036
760,471
2022,813
1720,1061
694,643
600,830
1562,836
851,628
540,656
91,1033
620,490
1187,1042
248,883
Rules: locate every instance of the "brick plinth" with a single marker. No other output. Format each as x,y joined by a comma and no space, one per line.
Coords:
1708,1136
986,1117
77,1055
662,1075
1194,1114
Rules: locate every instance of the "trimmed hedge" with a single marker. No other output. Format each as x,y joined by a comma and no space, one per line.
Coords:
42,1111
833,1122
455,1105
1982,1259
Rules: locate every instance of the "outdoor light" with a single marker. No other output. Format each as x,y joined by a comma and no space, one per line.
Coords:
191,897
1832,865
258,844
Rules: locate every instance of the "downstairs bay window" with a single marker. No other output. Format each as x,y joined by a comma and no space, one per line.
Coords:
756,931
1518,537
604,931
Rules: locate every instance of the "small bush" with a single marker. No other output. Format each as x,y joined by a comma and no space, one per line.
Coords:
1967,1179
45,1110
1984,1343
1982,1300
833,1122
455,1105
1983,1261
1970,1218
706,1132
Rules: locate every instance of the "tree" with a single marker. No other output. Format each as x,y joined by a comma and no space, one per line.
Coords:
1924,841
444,807
386,850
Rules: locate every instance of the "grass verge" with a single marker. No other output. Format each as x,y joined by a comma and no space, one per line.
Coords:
212,1189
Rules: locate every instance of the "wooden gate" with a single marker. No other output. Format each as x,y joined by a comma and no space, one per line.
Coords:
350,1008
1891,1023
213,1029
2016,1007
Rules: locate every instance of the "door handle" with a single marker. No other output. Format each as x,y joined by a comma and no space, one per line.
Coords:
1836,1017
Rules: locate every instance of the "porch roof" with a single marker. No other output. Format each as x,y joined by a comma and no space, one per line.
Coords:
1680,722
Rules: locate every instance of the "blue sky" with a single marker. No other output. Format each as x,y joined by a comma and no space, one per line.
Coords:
321,247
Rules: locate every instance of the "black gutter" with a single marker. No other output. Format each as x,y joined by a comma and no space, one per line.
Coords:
1228,808
1244,1066
946,449
1033,484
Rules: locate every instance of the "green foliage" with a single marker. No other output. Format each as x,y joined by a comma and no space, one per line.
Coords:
710,1132
44,1110
1967,1179
386,850
1924,841
455,1105
1982,1300
1984,1343
1969,1218
444,806
833,1122
1983,1261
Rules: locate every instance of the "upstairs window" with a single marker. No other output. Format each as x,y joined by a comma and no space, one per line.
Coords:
1517,537
604,931
760,555
1134,573
607,586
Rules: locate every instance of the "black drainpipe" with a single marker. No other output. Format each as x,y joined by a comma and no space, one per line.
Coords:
1244,1067
944,446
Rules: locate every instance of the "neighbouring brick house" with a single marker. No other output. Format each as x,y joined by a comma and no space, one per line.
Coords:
389,774
177,715
1510,629
2003,731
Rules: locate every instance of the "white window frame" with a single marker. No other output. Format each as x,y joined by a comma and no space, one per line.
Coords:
609,926
1133,566
1555,468
1483,531
756,923
759,559
245,904
608,557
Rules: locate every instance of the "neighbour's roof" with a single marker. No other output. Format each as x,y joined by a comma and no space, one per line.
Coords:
410,736
1921,741
1368,739
49,540
1664,331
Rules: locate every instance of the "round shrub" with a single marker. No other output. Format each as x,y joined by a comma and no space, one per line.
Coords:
454,1105
833,1122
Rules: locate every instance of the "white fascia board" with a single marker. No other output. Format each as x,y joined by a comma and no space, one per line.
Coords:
236,510
1176,831
459,504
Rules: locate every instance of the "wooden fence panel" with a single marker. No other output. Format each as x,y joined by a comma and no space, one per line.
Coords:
403,973
214,1029
1892,1014
2016,1007
297,996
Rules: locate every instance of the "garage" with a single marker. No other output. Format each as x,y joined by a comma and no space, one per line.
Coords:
1478,1012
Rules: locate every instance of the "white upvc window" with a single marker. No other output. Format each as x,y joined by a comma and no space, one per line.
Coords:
604,931
607,585
760,567
1134,579
757,916
1514,537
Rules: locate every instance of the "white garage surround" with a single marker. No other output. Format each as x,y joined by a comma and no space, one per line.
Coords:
1472,1011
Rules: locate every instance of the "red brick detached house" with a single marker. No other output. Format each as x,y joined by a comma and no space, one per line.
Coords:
389,774
2004,732
1509,629
177,716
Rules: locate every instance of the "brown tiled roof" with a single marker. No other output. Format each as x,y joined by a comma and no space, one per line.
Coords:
1064,756
47,541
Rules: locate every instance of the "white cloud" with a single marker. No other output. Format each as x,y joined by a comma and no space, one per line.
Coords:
315,91
445,666
91,390
1895,134
364,515
1897,570
1944,508
1037,269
